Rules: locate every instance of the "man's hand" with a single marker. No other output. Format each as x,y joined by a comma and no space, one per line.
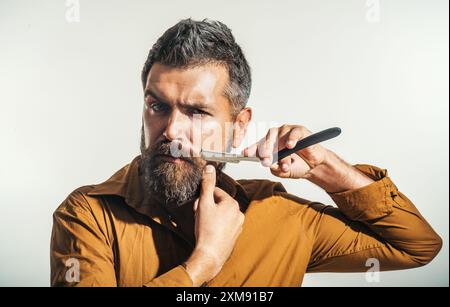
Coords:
218,223
314,163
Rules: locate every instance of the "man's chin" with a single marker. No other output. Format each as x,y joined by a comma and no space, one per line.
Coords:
178,171
172,182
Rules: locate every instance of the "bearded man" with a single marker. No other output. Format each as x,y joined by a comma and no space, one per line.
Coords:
170,218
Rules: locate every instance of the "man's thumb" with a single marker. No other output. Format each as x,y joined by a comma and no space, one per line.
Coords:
208,183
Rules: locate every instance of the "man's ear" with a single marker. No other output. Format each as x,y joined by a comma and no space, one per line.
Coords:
240,126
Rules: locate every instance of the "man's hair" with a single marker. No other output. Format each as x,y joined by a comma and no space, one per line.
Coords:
192,43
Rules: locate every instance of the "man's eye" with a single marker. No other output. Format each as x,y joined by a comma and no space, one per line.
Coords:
198,112
158,107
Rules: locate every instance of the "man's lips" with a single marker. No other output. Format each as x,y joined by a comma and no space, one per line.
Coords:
172,159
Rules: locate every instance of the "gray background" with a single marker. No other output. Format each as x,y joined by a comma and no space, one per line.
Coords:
71,103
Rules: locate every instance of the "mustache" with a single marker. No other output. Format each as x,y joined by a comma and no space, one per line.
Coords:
173,149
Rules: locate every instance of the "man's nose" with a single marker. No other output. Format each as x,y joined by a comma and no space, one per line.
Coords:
178,127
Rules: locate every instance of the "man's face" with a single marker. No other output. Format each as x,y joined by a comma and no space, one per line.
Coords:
185,110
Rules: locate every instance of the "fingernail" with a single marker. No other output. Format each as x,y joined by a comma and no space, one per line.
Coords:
209,169
267,162
284,167
290,143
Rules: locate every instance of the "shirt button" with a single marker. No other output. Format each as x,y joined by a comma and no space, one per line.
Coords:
172,221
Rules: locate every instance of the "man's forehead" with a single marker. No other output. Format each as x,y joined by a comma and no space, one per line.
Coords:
203,77
204,83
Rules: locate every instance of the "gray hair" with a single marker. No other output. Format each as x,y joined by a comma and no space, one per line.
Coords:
192,43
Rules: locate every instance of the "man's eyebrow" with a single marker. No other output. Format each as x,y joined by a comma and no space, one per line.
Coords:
149,92
187,105
196,105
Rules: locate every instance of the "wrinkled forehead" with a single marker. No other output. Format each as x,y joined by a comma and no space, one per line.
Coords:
204,83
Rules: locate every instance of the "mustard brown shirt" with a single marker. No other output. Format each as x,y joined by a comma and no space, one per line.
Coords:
120,237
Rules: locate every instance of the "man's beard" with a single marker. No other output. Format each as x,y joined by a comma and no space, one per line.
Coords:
171,183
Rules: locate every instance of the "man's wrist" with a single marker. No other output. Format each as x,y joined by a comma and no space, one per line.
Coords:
201,267
335,175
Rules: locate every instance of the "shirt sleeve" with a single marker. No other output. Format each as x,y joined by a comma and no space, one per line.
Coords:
82,251
177,277
375,222
81,254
